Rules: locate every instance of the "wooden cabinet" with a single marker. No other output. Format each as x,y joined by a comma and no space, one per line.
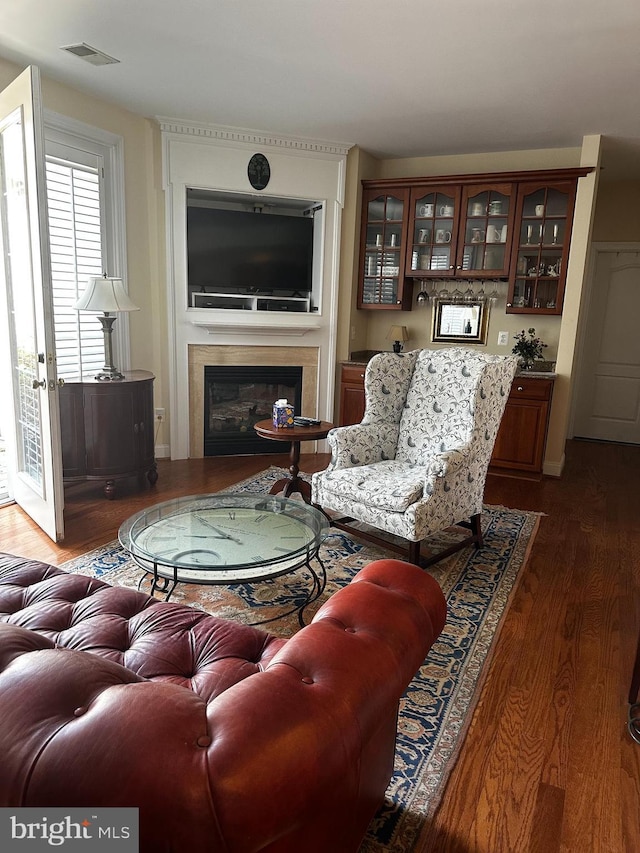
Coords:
383,241
107,429
514,226
522,436
351,394
543,230
461,230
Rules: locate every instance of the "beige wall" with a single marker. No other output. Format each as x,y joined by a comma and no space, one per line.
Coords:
617,217
144,215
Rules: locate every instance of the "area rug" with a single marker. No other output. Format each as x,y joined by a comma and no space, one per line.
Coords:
438,705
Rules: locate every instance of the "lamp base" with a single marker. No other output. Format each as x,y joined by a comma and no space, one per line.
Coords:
109,371
397,346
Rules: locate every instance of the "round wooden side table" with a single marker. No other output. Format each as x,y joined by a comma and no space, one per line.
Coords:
295,435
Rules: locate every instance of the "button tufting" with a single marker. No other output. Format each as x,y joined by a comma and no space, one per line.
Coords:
307,680
204,740
80,711
349,630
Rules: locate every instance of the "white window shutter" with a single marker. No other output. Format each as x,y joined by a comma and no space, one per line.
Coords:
76,238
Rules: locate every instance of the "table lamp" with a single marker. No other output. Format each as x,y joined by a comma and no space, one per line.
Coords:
105,293
398,334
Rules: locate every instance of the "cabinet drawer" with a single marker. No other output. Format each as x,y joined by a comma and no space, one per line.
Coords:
354,374
533,389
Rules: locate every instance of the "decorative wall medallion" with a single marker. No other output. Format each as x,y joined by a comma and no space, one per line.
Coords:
259,171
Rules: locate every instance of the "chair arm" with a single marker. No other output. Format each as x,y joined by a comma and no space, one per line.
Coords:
448,462
362,444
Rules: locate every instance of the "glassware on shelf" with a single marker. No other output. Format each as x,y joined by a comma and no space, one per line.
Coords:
494,295
457,295
443,293
469,295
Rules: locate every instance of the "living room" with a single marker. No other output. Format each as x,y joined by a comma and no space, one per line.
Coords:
606,220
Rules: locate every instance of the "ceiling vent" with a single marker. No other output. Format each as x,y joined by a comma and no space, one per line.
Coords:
90,54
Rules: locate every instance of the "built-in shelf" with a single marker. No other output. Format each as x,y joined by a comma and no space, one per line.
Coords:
252,302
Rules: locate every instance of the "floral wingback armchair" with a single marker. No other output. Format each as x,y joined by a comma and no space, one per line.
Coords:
417,462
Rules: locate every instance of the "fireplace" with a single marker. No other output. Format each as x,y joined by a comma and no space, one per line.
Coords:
237,397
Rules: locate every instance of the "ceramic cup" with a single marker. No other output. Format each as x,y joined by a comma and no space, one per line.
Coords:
477,209
446,210
424,235
495,208
443,236
539,209
493,234
425,210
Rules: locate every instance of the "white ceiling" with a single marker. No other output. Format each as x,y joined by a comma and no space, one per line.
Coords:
400,79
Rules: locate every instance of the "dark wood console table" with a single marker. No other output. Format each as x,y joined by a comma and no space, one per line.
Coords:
107,429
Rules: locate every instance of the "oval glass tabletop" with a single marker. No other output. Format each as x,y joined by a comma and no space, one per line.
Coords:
224,537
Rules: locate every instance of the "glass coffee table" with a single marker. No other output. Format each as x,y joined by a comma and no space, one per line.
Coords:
227,538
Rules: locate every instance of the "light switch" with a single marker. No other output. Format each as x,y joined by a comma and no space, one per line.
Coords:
503,339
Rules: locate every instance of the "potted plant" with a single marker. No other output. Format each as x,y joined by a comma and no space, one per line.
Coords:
528,348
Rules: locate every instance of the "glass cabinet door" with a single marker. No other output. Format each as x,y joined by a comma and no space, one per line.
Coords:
486,231
383,257
539,269
433,227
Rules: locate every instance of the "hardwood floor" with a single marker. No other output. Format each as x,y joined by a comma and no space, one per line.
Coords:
547,764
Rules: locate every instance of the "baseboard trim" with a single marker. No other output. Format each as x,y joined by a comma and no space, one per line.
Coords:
554,469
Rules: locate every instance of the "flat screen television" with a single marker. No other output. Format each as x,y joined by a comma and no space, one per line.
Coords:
236,251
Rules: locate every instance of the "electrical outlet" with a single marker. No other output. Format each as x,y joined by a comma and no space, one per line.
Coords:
503,339
159,414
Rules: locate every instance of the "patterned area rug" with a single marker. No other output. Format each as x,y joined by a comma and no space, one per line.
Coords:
438,705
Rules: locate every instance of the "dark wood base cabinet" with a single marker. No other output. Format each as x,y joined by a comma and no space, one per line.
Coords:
107,430
521,440
522,437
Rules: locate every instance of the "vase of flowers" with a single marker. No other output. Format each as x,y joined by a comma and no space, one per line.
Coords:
528,348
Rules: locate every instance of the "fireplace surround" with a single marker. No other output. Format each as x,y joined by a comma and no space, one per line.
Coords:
201,356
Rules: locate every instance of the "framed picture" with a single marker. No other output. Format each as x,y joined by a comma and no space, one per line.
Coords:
459,322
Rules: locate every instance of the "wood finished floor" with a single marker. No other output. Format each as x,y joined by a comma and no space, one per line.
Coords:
547,765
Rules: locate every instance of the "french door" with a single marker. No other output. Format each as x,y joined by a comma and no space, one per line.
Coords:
31,414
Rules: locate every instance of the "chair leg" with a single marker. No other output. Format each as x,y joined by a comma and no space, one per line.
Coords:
476,529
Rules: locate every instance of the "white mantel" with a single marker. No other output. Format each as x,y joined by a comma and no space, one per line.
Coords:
216,158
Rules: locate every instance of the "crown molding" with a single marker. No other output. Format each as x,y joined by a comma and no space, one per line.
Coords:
244,136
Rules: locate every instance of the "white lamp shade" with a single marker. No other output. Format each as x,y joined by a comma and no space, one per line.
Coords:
107,294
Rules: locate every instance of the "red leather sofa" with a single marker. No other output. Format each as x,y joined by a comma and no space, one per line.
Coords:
225,737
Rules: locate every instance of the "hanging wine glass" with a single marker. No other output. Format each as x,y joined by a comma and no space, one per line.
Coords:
444,293
481,296
494,295
457,295
469,295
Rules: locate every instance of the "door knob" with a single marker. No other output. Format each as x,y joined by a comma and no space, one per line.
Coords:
42,384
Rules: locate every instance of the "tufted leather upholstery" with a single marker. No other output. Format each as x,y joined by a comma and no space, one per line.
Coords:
225,737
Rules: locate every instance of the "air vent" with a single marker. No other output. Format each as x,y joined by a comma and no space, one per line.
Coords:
90,54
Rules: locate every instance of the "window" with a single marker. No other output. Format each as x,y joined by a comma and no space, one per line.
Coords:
75,236
85,201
